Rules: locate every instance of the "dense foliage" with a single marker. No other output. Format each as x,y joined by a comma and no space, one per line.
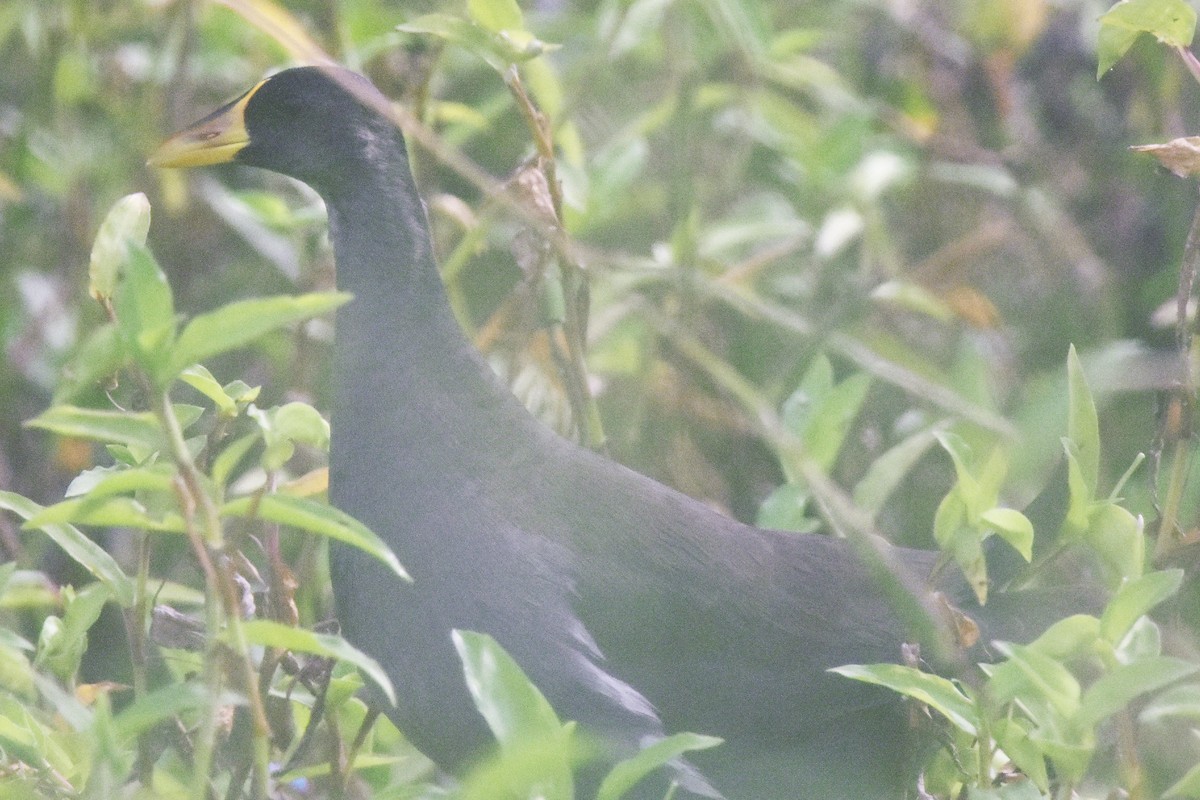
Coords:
825,263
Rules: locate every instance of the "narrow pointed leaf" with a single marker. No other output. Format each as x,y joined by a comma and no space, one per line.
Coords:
273,634
1135,598
1083,427
628,773
512,706
1126,682
237,324
319,518
114,427
932,690
83,550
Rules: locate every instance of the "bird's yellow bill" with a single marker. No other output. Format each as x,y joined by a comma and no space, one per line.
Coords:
216,139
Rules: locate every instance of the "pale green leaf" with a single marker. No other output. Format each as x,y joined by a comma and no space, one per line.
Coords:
1134,598
83,550
315,517
239,323
268,633
628,773
934,691
119,427
127,222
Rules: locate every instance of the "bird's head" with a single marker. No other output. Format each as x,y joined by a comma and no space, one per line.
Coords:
325,126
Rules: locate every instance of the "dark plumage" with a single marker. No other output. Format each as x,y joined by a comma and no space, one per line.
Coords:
634,608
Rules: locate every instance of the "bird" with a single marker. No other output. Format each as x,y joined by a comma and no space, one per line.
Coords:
638,611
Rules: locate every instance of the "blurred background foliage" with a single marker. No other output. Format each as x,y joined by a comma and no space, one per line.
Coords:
934,194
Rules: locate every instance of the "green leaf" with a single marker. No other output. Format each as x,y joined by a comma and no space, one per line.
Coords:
230,456
63,642
1178,702
286,425
890,469
1013,527
121,427
1079,502
268,633
100,356
1073,636
459,31
830,421
802,404
199,378
239,323
1187,786
496,15
106,512
1119,687
145,311
1172,22
127,223
1083,427
512,706
16,673
1116,536
1012,737
628,773
1134,598
147,711
786,509
960,454
319,518
1070,753
914,297
950,518
1044,675
83,550
108,481
934,691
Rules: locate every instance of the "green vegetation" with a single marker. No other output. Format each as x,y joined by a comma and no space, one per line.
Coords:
865,267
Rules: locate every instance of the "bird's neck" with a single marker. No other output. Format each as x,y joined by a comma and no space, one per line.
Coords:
411,392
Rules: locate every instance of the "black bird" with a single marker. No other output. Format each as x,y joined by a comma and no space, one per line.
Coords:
634,608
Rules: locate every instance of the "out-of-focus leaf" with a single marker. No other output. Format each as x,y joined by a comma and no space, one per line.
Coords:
127,222
1182,702
1013,527
286,425
83,550
1073,636
1136,597
145,311
119,427
1116,536
1172,22
786,509
496,15
627,774
514,708
890,469
99,357
1012,737
106,511
62,645
239,323
1117,688
1083,427
1045,675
